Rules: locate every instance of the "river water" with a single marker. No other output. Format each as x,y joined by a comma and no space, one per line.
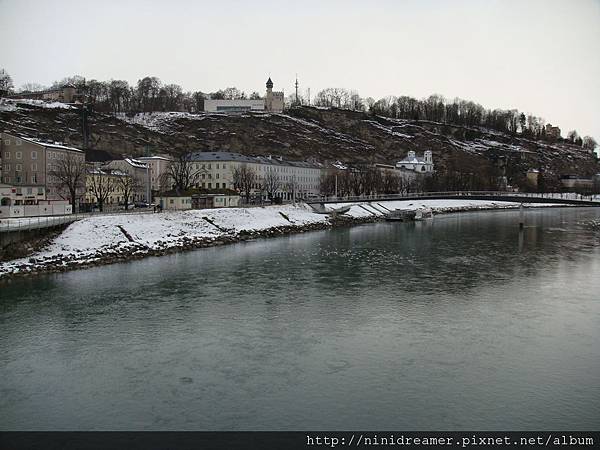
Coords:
463,322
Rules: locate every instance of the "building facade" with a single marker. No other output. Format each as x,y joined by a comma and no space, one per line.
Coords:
295,179
31,166
158,166
273,102
417,164
140,171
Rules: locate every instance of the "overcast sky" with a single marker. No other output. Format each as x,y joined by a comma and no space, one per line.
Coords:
542,57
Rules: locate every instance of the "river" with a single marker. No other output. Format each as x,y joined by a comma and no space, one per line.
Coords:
463,322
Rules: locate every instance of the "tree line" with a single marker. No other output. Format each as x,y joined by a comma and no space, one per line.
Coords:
150,94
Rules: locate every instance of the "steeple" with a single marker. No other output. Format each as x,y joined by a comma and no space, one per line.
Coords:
269,83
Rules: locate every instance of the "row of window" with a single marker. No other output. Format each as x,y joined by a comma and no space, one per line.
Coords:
19,167
21,179
17,141
19,155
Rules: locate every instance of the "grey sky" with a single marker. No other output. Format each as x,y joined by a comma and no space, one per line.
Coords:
542,57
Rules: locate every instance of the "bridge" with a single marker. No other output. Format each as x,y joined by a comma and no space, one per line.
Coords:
497,196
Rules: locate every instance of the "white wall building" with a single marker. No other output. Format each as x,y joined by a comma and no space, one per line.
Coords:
416,163
158,166
234,106
273,102
137,169
296,178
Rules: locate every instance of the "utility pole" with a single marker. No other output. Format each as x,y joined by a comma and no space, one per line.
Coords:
308,96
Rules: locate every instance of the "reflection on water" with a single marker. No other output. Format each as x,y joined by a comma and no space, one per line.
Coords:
462,322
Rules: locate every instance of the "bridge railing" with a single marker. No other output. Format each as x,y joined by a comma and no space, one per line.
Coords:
12,224
418,195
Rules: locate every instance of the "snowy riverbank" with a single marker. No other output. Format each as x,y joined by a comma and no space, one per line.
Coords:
106,239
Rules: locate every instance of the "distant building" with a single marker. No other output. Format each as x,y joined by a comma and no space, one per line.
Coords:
552,132
158,166
234,106
67,93
533,176
137,169
113,187
417,164
580,184
273,102
297,179
27,165
198,199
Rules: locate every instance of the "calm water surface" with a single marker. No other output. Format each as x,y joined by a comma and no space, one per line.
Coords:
460,323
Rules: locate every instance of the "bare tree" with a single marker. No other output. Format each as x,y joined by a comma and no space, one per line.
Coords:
128,185
67,176
182,174
244,178
101,184
271,182
6,83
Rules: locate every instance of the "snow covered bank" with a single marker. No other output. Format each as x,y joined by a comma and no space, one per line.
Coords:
112,238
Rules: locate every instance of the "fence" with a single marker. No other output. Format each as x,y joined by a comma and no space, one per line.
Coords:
32,223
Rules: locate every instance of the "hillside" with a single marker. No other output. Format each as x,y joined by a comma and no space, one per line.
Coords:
325,135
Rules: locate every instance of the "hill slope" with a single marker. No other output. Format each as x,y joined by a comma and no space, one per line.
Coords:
325,135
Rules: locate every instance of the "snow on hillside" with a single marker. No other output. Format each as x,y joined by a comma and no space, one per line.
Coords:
12,104
161,122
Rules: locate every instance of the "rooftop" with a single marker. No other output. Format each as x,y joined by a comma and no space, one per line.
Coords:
229,156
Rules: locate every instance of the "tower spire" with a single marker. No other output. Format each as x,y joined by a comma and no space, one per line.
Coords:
297,101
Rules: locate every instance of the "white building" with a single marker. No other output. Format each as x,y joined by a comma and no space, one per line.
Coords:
297,179
417,164
273,102
138,170
234,106
158,166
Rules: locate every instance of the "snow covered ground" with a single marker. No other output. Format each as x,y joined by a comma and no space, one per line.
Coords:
12,104
98,237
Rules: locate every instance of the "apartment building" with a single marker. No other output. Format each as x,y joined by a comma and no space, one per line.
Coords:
158,166
295,178
139,170
30,165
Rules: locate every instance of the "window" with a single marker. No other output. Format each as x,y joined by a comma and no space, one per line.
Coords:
33,154
217,175
19,167
18,141
217,165
18,179
6,179
223,165
29,191
6,155
6,141
6,167
224,185
40,191
171,201
34,178
34,167
18,155
209,185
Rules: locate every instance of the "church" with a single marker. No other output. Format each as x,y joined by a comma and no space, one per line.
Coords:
273,102
416,163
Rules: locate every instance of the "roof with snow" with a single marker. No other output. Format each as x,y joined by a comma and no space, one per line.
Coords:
229,156
58,145
413,160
